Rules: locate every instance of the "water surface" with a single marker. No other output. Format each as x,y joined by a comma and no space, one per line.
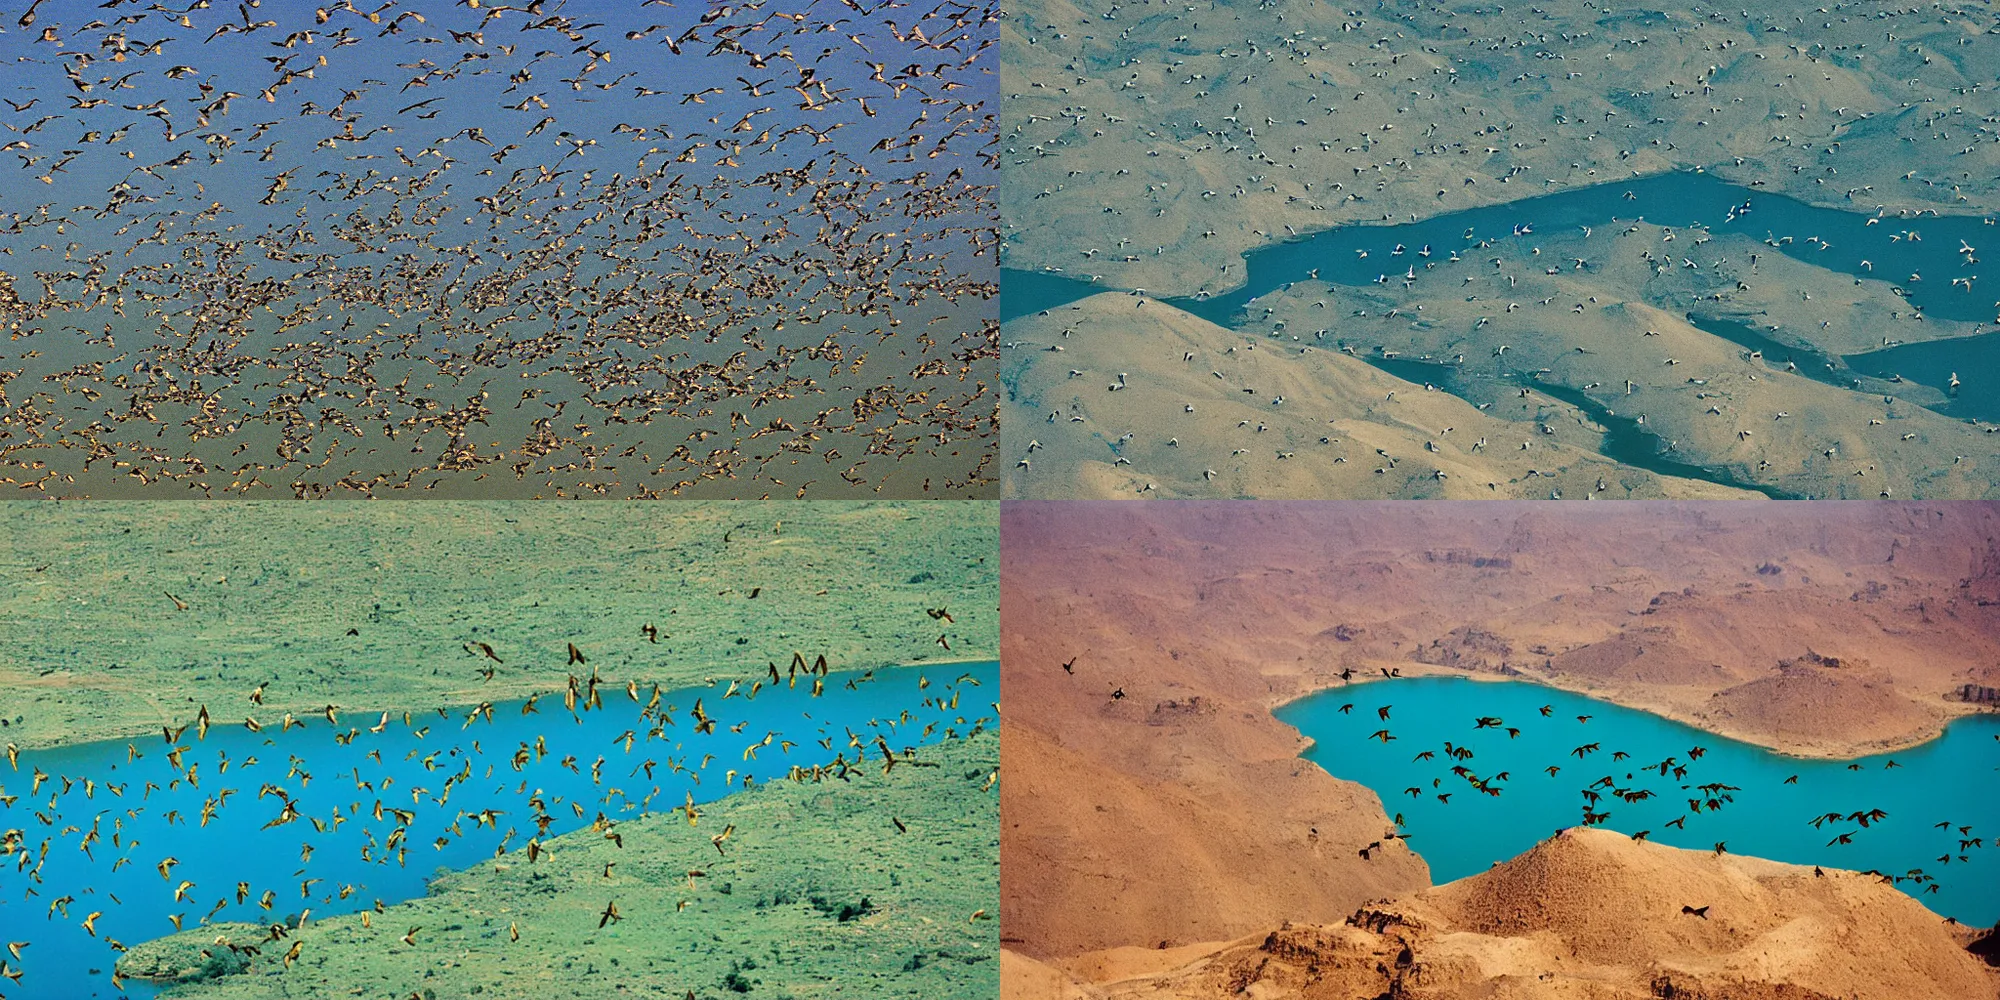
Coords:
1937,838
1679,199
444,770
1625,440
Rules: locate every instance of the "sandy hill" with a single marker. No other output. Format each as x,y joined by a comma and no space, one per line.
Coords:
1622,338
1179,812
1169,141
1153,156
1584,914
1148,400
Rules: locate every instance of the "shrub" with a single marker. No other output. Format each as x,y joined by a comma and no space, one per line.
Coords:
222,963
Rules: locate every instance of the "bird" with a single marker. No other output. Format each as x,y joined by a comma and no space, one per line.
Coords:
674,157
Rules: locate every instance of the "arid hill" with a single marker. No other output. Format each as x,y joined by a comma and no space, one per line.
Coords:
1153,800
1150,401
1584,914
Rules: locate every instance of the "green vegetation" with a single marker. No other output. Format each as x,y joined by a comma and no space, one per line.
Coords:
371,607
819,896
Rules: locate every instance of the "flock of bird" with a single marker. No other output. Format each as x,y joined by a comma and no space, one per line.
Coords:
667,737
1501,276
1671,776
1153,148
1265,113
749,249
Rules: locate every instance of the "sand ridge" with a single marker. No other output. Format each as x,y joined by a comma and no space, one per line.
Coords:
1184,814
1150,401
1584,913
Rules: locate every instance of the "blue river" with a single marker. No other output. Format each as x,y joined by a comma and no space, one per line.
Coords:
1677,199
1470,796
91,836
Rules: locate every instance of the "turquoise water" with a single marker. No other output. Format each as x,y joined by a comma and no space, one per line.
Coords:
1975,360
1755,812
1625,440
405,766
1673,199
1031,291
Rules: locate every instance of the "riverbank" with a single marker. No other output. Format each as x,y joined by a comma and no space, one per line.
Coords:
122,618
1689,713
1177,168
880,885
1283,420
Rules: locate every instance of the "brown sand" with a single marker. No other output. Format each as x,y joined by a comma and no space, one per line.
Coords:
1179,813
1195,135
1269,419
1584,914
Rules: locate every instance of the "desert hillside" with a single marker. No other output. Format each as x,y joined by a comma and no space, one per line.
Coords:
1123,396
1584,914
1145,646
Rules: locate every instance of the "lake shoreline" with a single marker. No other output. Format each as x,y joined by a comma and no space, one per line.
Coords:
1803,750
510,695
1809,195
1757,800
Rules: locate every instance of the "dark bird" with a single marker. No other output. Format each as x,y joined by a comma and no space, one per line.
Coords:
1694,911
